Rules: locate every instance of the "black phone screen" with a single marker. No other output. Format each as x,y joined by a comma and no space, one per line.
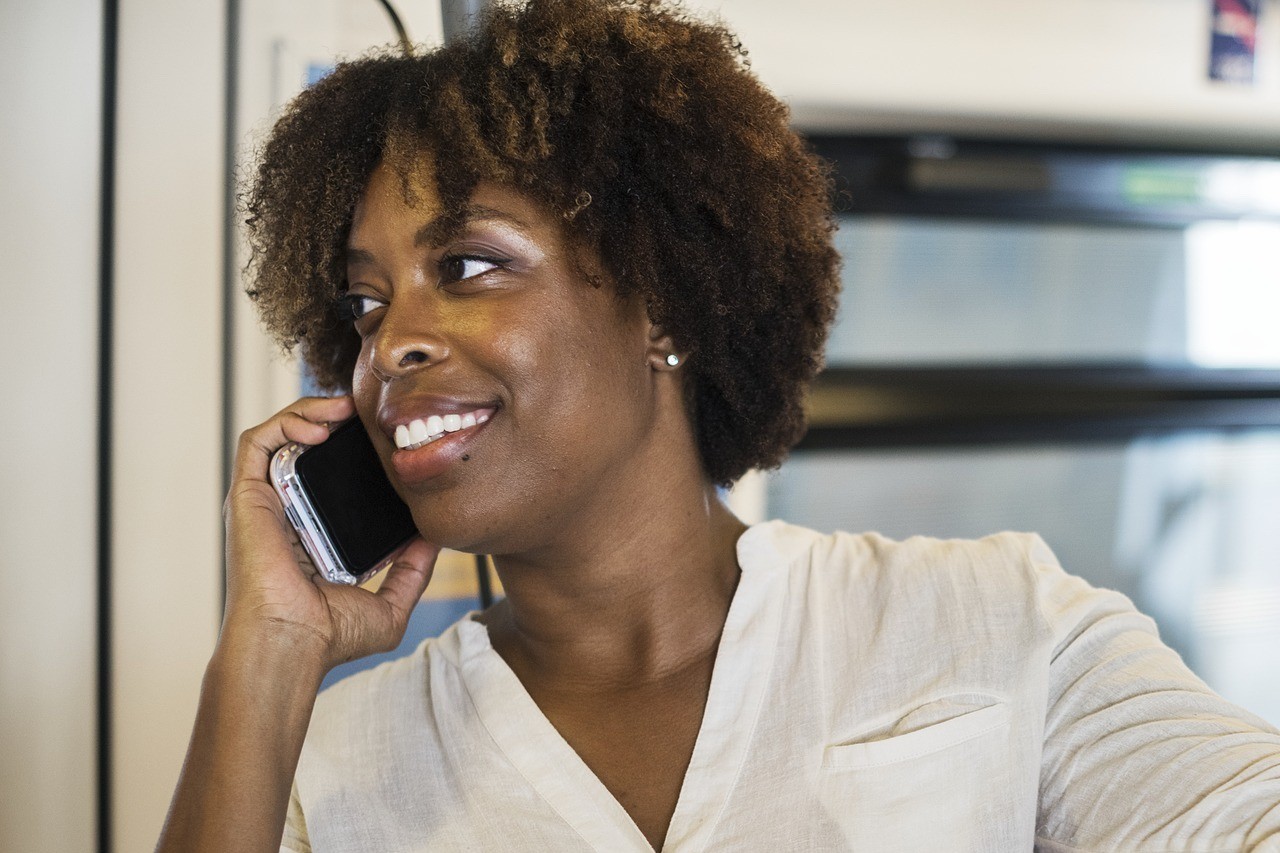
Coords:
353,497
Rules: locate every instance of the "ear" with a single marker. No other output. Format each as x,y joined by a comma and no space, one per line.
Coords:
661,352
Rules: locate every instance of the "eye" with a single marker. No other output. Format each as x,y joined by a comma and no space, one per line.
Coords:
462,267
355,306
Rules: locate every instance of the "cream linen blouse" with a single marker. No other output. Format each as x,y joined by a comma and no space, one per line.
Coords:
867,695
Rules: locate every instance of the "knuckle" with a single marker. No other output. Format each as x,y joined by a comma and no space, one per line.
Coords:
251,438
240,494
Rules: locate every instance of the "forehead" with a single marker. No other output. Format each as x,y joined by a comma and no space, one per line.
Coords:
396,197
408,203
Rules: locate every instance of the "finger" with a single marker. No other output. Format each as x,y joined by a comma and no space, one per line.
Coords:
257,445
322,409
304,422
407,579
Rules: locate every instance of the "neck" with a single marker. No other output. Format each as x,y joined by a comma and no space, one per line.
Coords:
643,601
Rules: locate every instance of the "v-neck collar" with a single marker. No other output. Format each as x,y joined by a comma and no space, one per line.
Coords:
740,675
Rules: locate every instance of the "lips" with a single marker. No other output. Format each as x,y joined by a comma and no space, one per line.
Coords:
431,434
419,432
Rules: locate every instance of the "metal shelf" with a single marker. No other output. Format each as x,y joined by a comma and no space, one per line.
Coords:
982,404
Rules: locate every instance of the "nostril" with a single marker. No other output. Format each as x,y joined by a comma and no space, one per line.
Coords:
413,357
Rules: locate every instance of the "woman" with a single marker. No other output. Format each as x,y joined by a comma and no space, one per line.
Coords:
591,229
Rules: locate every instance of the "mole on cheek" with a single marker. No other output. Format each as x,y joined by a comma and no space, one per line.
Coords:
466,457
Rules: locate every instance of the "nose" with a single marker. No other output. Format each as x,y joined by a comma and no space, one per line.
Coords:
407,339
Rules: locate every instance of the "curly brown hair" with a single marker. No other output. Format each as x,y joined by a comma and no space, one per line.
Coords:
639,125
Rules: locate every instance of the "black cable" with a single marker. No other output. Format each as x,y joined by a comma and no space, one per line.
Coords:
400,30
482,575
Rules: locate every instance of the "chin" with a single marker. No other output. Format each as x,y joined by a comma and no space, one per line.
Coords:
468,531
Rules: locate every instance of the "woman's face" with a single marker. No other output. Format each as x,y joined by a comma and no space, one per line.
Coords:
540,386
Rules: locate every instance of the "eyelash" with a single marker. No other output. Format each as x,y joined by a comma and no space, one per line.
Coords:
348,305
463,258
347,308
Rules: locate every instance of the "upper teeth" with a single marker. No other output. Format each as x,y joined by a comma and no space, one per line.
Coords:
419,432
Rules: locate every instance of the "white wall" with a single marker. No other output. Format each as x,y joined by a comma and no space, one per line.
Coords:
50,90
167,490
1093,68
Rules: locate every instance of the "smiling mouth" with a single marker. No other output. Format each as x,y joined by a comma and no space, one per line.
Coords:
419,433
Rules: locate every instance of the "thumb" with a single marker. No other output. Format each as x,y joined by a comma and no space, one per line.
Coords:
407,579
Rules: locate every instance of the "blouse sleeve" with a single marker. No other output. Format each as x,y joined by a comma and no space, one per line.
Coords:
1139,754
295,827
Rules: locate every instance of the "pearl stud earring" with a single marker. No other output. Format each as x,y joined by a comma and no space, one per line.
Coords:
673,359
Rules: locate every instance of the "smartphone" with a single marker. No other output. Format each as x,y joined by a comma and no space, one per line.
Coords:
338,498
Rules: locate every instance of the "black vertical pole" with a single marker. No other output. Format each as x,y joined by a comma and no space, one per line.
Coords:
229,279
106,294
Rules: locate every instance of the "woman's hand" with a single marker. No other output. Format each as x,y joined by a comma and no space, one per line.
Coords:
285,627
274,593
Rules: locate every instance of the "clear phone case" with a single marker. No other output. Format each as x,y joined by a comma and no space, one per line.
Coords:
301,512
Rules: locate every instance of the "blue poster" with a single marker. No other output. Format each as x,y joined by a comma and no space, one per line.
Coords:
317,71
1235,31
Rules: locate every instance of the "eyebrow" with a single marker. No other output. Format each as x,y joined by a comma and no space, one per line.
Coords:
443,227
359,256
440,229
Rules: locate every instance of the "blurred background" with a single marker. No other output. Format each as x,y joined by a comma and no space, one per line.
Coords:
1061,231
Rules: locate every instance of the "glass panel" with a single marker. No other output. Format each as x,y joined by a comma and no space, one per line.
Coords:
931,292
1183,525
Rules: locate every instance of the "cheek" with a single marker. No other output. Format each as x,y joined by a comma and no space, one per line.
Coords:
586,353
364,389
360,374
537,348
523,354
